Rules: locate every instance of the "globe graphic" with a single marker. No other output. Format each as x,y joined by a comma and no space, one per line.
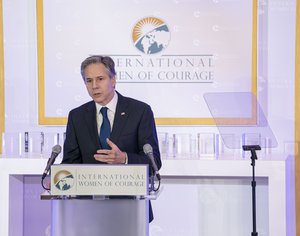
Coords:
151,35
64,180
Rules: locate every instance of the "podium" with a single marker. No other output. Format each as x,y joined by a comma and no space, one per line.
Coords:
99,215
110,200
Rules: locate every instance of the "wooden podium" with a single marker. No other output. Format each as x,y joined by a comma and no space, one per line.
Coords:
121,208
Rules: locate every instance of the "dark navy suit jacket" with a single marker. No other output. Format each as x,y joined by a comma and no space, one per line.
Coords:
133,127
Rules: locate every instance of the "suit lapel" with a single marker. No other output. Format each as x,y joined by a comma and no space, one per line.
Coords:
91,123
120,119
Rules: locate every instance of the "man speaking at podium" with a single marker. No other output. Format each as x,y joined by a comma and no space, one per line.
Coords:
111,129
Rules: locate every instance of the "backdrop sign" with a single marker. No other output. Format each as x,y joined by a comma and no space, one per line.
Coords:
177,50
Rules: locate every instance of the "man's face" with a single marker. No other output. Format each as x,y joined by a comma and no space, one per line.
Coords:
100,87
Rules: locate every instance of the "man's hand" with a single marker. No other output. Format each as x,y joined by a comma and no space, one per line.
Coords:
113,156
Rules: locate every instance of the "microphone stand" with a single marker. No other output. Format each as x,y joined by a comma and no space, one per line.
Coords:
152,183
152,187
252,149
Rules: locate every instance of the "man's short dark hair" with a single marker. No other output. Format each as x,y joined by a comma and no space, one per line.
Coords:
96,59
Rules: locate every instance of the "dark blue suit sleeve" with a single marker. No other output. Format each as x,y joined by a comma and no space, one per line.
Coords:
71,150
146,134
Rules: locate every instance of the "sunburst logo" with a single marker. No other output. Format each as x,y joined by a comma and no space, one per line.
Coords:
63,180
151,35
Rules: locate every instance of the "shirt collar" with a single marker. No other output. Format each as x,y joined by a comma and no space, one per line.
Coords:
112,105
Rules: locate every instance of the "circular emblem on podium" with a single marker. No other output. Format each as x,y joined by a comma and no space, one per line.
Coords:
151,35
63,180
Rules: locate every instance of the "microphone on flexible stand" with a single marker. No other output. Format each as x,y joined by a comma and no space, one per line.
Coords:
55,152
149,152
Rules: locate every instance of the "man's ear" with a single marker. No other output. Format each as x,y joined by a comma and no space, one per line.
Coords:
114,81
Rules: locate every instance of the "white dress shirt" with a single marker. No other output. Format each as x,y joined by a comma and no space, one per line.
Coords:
112,106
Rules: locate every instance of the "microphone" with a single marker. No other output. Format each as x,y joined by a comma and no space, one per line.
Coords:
149,152
55,152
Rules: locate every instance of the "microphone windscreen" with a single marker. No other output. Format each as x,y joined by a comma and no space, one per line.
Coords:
147,148
56,149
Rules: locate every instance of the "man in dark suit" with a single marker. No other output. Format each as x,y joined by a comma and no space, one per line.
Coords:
131,122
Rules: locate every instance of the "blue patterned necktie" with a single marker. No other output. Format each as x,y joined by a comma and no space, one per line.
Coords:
104,129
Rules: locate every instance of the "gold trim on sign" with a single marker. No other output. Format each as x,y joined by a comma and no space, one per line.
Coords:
43,120
254,48
2,97
41,72
297,118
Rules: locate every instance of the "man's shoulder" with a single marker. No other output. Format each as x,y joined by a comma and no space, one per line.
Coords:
84,107
132,101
